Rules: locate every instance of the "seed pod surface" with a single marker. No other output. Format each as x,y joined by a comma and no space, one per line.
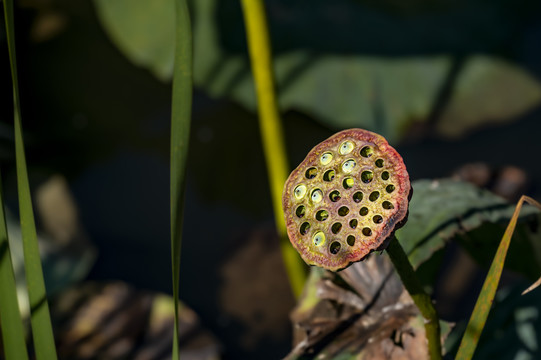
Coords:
345,199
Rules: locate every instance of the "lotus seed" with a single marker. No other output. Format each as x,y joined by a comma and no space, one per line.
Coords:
329,175
346,147
317,195
348,166
366,151
348,183
300,191
319,238
326,158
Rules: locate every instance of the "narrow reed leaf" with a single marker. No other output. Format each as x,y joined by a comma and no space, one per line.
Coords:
271,131
40,319
488,291
532,287
10,315
180,132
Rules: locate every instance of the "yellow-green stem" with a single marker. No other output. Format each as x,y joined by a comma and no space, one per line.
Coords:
420,298
271,130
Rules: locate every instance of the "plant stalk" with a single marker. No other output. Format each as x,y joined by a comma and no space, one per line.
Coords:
10,315
420,298
271,131
40,319
180,133
480,312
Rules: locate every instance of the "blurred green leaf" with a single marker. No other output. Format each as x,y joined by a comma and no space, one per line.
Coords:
62,265
488,90
40,320
513,329
143,31
441,209
383,80
13,336
485,300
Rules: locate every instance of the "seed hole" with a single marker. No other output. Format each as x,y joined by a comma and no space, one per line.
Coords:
300,191
366,176
335,247
318,238
336,227
366,151
358,197
351,240
390,188
374,196
363,211
329,175
311,173
387,205
343,211
325,158
367,231
348,166
316,196
334,196
385,175
305,227
346,147
353,223
322,215
301,210
379,163
378,219
348,183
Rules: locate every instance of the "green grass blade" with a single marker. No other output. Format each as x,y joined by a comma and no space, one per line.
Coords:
40,319
180,132
486,297
271,131
10,315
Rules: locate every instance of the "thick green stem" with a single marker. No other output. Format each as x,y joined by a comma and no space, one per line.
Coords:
420,298
271,131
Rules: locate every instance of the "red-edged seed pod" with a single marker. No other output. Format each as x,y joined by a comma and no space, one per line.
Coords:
346,199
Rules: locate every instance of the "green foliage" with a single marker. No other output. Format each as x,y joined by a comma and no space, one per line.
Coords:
181,110
10,316
327,75
486,297
147,34
441,209
40,319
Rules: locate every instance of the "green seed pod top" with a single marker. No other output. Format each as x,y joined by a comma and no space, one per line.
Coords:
345,199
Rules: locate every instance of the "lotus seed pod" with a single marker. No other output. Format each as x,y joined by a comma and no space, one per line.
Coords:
346,199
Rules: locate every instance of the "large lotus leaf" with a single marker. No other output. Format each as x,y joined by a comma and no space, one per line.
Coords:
488,91
143,30
441,209
347,63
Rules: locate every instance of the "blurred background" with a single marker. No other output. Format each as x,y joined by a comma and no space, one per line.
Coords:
448,83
